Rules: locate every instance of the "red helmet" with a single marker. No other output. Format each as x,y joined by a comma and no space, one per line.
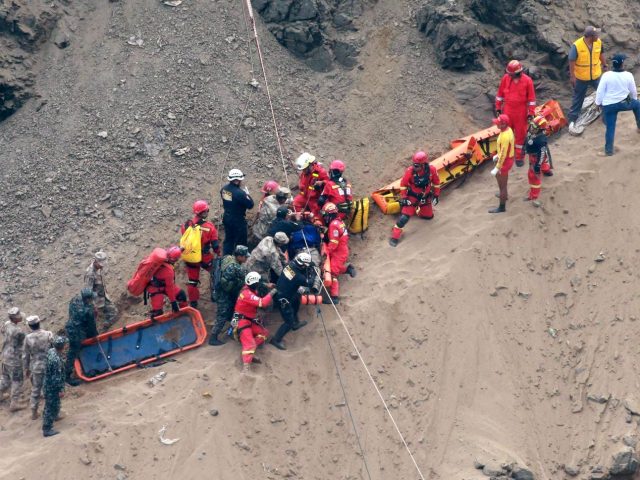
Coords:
337,165
270,186
329,209
200,206
173,254
420,157
502,119
513,67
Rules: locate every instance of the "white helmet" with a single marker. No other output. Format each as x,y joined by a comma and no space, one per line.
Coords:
235,174
252,278
304,160
303,259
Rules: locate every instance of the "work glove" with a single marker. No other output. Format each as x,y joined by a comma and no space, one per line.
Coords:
405,202
496,158
174,307
495,171
303,290
536,168
435,201
273,292
519,163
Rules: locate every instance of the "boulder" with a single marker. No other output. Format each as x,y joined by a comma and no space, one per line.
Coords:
625,463
519,473
455,36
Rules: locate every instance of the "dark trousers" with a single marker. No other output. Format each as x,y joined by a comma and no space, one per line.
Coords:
51,409
72,354
289,313
610,117
235,233
224,313
579,92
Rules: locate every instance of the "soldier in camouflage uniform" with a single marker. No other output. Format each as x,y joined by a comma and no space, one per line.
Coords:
267,211
269,258
36,346
94,280
81,325
232,273
12,374
53,386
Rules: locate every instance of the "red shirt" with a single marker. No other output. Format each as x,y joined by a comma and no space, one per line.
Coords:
516,96
338,236
308,180
248,303
411,182
337,193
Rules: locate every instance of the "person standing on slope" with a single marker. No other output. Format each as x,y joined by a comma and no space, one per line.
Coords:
268,209
36,346
163,283
516,98
12,377
586,63
503,159
312,180
94,279
235,201
209,244
53,386
617,92
420,187
539,157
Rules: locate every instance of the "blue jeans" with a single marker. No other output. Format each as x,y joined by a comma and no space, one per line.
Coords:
610,116
579,92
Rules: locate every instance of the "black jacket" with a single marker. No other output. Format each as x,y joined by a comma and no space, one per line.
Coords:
235,201
292,278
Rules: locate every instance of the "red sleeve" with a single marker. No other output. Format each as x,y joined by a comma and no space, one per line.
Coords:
322,174
501,90
531,97
435,180
213,232
406,180
303,183
333,234
326,191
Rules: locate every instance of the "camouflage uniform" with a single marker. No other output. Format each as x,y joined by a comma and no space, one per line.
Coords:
266,215
12,374
94,280
81,325
265,257
231,282
53,386
36,346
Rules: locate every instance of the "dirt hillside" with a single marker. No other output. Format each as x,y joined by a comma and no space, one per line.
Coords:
492,339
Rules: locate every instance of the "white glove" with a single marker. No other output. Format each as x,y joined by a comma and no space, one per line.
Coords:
496,158
495,171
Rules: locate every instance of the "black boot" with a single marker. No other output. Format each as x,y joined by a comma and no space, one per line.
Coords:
279,345
74,382
50,432
351,271
393,242
193,304
299,325
213,340
499,209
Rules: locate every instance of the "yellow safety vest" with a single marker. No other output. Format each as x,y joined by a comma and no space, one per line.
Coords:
588,66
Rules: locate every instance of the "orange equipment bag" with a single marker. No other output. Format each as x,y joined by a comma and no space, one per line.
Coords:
146,269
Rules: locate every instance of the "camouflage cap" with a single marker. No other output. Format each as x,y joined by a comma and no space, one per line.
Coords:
15,313
59,341
100,256
241,251
33,320
283,192
281,238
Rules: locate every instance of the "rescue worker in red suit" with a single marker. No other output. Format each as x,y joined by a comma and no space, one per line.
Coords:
540,162
249,329
312,179
210,245
420,187
336,240
516,98
163,283
337,190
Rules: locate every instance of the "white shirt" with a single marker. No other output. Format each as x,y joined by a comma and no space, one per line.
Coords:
614,87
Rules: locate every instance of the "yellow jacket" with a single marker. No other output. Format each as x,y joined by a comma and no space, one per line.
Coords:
506,146
588,65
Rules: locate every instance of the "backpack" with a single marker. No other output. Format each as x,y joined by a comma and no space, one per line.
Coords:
359,222
191,243
145,271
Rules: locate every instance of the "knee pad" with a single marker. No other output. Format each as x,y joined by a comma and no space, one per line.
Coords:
403,220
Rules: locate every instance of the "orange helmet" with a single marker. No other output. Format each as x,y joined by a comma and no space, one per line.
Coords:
514,67
173,254
329,209
200,206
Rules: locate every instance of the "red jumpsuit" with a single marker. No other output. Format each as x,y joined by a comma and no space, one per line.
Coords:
250,334
517,99
338,194
210,244
163,283
307,199
337,248
417,195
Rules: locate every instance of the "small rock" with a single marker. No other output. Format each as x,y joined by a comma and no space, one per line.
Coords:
117,213
519,473
353,355
214,412
572,470
632,404
600,257
569,262
591,269
477,464
103,134
85,459
120,467
524,295
492,469
598,398
121,476
62,40
249,122
630,440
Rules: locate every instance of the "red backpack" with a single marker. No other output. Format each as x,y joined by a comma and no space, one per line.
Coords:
146,269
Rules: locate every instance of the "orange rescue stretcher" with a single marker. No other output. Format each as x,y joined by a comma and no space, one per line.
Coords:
465,156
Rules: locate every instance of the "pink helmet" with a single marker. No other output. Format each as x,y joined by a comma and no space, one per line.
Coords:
173,254
337,165
503,119
200,206
270,186
420,157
